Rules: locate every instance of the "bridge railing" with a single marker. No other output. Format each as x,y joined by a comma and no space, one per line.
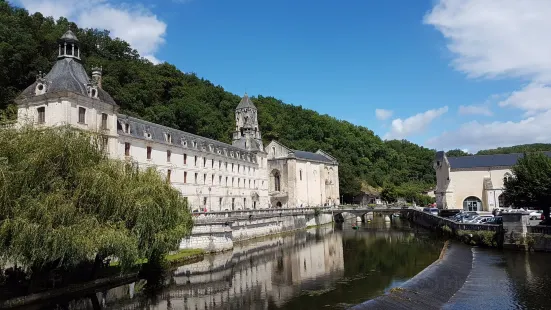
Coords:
256,213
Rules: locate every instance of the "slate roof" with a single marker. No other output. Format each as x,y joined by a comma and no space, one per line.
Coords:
312,156
67,74
245,103
475,161
139,128
69,36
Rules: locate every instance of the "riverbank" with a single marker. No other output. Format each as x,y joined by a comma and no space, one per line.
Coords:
433,287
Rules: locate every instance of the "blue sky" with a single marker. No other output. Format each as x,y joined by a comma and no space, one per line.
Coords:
469,74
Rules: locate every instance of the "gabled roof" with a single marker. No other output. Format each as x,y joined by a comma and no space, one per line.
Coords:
245,103
69,36
312,156
475,161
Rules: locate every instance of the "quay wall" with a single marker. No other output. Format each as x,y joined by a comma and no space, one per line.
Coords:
218,231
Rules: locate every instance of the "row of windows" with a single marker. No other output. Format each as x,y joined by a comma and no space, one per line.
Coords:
235,204
168,139
81,116
222,181
240,169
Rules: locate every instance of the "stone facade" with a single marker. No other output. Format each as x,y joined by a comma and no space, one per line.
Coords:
472,183
212,175
298,178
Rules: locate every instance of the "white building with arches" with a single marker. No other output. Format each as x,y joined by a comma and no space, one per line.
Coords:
211,174
473,183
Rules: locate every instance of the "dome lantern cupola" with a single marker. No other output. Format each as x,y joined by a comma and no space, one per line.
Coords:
69,46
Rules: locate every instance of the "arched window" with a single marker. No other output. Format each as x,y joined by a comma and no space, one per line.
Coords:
277,181
273,150
472,204
300,174
507,176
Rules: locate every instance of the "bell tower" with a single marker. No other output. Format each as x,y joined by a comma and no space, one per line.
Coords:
247,133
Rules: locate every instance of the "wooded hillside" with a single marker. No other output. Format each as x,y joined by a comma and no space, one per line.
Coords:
165,95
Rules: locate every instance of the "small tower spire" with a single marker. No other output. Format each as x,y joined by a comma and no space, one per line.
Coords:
69,46
247,133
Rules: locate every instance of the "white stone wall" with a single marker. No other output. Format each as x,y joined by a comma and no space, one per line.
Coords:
207,180
453,186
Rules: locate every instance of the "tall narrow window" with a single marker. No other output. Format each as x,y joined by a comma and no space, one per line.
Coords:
204,162
185,176
126,149
103,121
195,161
81,115
232,170
41,115
168,155
300,173
220,180
220,202
185,159
226,181
168,174
244,202
238,182
127,128
212,180
196,177
212,164
205,178
149,152
249,183
238,168
219,165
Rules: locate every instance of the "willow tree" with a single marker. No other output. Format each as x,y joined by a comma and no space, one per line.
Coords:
530,186
63,202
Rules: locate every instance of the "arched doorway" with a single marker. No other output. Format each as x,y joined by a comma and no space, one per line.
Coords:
278,204
472,203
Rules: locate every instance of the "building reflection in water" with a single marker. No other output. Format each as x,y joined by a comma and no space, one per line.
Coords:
252,276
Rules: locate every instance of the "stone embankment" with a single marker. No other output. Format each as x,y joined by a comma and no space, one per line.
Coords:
217,231
433,287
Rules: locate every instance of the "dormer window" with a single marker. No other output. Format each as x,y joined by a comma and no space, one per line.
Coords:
184,142
127,128
168,137
147,134
92,91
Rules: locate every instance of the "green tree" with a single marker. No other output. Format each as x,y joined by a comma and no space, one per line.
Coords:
530,186
389,194
457,153
63,202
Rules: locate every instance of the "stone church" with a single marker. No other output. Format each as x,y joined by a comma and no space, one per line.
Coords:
212,175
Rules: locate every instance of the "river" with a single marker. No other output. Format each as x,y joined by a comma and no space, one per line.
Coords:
329,268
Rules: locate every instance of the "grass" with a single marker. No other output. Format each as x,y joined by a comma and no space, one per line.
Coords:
174,258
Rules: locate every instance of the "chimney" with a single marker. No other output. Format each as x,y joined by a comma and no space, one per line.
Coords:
96,75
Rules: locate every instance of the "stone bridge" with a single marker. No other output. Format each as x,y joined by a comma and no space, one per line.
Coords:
361,212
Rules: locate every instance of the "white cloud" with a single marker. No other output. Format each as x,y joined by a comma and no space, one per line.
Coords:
492,38
476,136
500,39
533,98
475,110
132,23
383,114
413,125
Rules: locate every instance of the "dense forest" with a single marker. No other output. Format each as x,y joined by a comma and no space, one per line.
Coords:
524,148
165,95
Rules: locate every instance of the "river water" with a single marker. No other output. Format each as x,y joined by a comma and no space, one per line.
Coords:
330,268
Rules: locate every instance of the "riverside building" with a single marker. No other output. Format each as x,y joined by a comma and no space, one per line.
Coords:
212,175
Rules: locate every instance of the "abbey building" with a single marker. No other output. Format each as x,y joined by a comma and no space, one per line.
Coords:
212,175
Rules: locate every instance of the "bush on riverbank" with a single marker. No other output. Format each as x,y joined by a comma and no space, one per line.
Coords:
478,237
63,202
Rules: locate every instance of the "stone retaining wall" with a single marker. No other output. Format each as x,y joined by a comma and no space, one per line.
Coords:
217,233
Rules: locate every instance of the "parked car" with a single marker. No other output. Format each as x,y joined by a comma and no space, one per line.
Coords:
497,220
433,211
536,214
